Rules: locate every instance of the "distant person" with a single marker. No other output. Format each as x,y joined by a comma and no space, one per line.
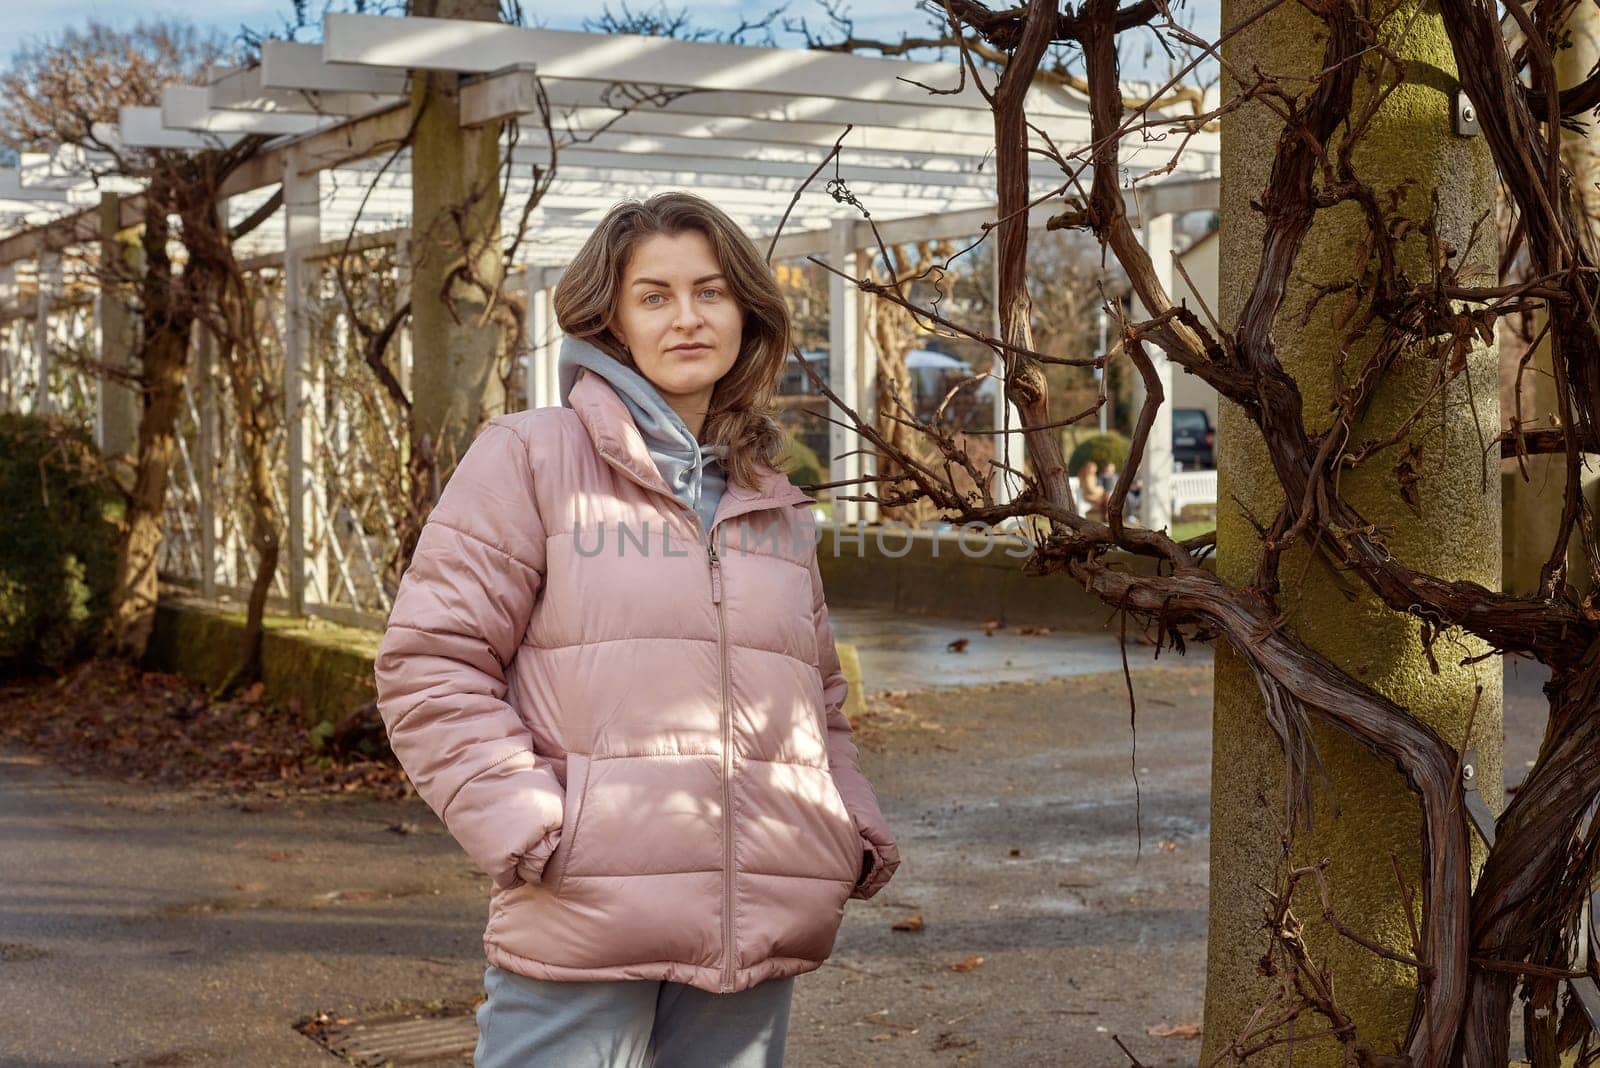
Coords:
1090,491
1108,477
645,751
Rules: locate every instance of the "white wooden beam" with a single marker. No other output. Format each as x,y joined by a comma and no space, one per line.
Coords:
481,47
501,95
757,105
290,65
624,153
242,90
12,189
679,121
185,107
142,128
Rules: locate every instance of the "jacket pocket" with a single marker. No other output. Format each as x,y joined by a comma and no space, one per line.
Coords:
855,843
555,872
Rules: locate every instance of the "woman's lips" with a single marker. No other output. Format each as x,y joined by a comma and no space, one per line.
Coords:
691,350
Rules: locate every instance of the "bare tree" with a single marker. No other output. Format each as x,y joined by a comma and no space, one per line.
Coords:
59,93
1523,925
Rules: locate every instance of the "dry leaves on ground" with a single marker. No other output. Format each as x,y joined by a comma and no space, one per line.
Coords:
112,719
1177,1030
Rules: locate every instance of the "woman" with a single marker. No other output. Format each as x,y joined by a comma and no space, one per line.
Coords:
609,670
1092,496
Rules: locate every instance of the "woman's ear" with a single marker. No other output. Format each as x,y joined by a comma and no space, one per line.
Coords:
615,338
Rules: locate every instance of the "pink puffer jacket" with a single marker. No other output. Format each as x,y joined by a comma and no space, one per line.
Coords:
644,749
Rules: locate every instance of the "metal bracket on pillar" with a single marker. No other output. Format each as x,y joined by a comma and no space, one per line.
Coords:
1478,813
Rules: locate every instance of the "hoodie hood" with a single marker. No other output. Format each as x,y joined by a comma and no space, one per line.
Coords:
694,472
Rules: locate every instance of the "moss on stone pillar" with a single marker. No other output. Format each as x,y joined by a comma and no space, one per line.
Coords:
1409,151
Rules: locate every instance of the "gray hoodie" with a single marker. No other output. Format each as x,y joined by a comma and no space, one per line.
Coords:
694,471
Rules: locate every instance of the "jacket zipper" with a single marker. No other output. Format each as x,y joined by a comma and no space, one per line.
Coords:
727,769
715,561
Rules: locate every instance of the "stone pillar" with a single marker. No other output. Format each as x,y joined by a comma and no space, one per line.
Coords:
1368,813
455,220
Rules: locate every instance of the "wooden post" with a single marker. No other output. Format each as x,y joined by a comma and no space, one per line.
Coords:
302,231
455,219
1155,502
117,405
49,284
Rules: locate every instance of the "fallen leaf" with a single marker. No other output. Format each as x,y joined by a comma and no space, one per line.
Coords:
403,827
990,626
957,646
966,965
1178,1030
912,922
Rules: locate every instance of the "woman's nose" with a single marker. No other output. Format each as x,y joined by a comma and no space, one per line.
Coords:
688,314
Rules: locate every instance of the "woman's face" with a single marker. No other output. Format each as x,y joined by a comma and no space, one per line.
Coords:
678,318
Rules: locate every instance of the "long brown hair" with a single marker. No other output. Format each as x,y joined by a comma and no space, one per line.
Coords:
742,412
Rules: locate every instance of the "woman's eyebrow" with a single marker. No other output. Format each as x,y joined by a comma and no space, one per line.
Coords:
664,285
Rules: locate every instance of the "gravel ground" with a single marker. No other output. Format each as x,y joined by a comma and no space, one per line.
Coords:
144,926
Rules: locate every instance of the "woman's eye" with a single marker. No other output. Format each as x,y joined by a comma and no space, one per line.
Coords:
651,297
713,290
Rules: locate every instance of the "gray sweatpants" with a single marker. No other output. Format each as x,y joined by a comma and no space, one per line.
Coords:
628,1023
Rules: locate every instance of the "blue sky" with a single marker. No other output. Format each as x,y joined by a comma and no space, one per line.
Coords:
22,19
25,18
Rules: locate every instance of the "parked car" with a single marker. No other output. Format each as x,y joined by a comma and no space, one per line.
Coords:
1194,441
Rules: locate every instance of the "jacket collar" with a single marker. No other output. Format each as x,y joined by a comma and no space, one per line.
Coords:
617,439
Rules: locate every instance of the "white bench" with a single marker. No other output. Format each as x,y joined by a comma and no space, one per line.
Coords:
1193,487
1188,487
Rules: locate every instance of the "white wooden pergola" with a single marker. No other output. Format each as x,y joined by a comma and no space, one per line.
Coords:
744,126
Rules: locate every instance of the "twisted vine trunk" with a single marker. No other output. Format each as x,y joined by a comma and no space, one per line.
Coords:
167,317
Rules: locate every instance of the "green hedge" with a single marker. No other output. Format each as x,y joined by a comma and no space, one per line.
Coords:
1109,447
58,543
801,462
